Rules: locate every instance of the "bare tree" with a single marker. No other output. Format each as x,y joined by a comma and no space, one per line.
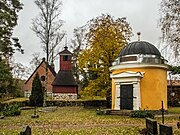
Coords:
19,71
77,44
170,24
47,26
35,61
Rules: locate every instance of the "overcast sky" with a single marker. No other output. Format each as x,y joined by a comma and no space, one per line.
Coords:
143,16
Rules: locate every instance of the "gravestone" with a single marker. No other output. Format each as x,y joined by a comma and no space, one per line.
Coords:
151,126
26,131
165,130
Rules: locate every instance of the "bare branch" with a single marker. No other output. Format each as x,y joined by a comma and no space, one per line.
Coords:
170,24
47,25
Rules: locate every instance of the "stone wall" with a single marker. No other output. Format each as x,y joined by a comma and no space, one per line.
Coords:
28,93
64,96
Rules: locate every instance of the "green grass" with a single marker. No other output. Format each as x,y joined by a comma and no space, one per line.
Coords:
174,110
76,121
16,100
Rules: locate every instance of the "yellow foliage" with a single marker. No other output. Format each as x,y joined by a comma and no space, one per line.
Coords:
105,38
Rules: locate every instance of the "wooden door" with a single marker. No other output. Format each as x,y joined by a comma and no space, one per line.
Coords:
126,97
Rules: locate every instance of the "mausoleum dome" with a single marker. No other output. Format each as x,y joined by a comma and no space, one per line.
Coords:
139,47
139,52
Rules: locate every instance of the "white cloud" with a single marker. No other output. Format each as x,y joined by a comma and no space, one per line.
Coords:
141,14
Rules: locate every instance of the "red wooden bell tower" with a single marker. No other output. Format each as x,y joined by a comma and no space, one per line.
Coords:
65,59
64,85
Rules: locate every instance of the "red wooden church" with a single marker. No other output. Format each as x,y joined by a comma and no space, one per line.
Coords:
61,85
64,85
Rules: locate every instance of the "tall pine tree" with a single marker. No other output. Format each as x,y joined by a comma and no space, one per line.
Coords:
9,10
36,98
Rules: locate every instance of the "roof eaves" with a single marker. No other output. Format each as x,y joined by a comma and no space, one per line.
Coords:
50,68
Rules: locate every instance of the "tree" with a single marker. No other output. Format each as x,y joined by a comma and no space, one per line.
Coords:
174,69
47,26
170,24
77,45
11,83
36,98
5,77
35,62
105,38
9,14
19,72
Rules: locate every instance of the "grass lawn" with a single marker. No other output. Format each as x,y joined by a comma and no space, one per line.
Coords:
77,121
174,110
16,100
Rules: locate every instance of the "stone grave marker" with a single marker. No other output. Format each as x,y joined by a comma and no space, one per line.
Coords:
151,126
165,130
26,131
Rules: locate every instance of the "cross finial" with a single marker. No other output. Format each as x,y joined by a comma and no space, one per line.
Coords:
139,35
66,43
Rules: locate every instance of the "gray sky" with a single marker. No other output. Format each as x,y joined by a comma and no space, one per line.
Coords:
143,16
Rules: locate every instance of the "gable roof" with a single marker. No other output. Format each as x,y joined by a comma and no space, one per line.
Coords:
64,78
52,70
49,67
65,51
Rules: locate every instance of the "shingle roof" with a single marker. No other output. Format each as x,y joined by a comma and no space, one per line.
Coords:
64,78
52,70
65,51
139,47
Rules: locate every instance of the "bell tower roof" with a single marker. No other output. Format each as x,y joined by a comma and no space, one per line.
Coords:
65,51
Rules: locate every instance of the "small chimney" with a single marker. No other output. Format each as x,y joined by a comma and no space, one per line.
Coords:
139,35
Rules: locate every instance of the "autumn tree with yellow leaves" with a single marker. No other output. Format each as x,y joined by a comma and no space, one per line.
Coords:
105,37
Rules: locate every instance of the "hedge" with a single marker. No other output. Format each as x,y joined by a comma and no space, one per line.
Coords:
85,103
20,103
62,103
142,114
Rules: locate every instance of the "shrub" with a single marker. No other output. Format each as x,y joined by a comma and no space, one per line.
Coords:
20,103
142,114
11,110
100,112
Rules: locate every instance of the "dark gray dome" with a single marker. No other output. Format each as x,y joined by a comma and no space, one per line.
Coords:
139,47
